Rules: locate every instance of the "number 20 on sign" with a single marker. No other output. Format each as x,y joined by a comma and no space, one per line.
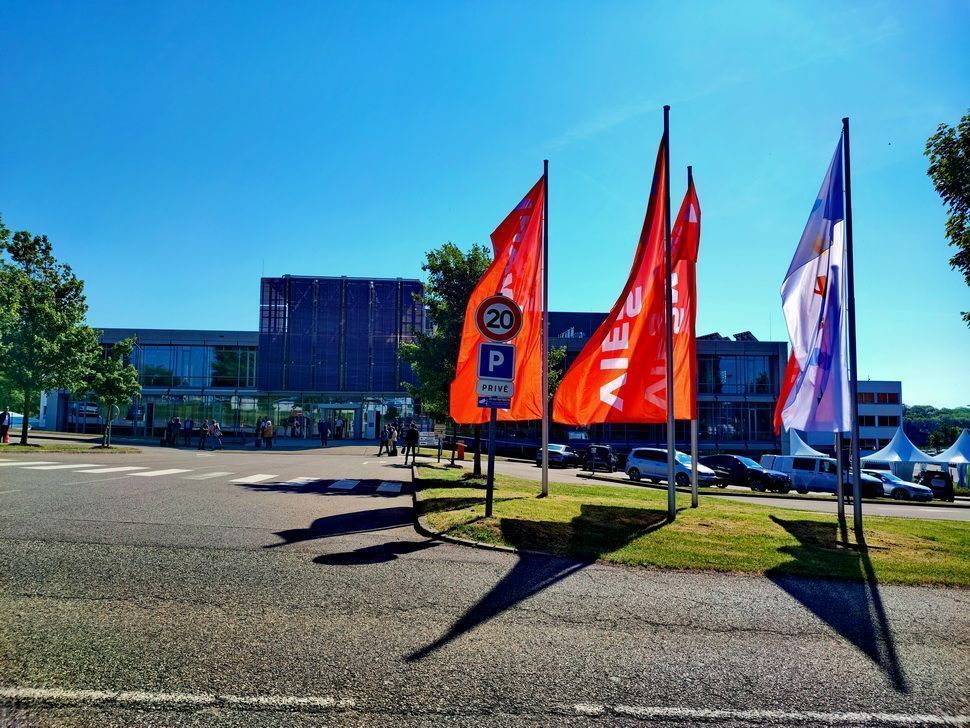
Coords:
498,318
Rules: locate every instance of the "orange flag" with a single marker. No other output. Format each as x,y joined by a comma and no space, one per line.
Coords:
515,272
620,375
684,241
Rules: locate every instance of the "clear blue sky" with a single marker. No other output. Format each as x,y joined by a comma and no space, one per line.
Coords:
176,151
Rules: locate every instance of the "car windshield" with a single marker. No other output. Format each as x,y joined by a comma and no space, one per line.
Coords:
683,458
557,448
750,463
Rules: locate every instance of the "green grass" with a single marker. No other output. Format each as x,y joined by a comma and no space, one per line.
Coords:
628,526
87,449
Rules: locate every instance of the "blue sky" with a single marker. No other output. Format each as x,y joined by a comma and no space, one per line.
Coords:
176,151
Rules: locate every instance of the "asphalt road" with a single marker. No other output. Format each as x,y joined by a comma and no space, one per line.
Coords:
168,599
960,512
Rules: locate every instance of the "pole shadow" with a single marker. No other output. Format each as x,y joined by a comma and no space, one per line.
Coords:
341,524
378,554
853,607
596,531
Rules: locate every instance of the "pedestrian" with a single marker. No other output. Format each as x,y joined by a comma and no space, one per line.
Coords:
383,448
258,432
411,439
268,434
392,441
5,425
203,433
187,431
176,431
215,433
169,427
323,429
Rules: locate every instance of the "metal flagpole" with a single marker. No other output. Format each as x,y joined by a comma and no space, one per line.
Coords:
693,423
853,369
839,479
545,331
490,473
671,435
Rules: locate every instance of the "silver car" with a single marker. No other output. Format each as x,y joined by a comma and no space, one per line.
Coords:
899,489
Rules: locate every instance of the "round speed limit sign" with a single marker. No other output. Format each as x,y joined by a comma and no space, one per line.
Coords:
498,318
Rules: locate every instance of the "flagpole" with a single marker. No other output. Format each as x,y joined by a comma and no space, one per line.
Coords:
693,422
669,318
853,368
545,331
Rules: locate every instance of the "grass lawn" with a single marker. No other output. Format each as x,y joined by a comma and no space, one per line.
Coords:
88,449
628,526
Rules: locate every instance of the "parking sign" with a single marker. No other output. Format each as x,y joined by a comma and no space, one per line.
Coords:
496,361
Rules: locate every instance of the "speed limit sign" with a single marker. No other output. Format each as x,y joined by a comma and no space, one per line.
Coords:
498,318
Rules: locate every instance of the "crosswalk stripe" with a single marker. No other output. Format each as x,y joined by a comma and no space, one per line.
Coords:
344,485
114,470
26,462
206,476
299,481
386,487
169,471
62,466
257,478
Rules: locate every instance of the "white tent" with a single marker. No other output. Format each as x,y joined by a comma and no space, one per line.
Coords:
957,456
900,450
800,448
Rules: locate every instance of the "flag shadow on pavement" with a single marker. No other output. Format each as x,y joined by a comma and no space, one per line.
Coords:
596,531
341,524
852,607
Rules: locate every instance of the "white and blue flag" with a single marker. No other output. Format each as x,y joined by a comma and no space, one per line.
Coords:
814,304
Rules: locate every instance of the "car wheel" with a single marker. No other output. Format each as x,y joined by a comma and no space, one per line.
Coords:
719,484
682,480
784,489
899,494
634,474
801,491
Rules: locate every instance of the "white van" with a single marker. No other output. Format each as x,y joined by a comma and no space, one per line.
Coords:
818,475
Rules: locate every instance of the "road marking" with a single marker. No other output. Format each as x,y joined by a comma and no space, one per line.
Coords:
56,696
170,471
257,478
344,485
206,476
26,462
114,470
62,466
389,488
784,717
4,492
299,481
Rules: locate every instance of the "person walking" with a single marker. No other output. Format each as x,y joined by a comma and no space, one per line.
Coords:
215,433
383,448
5,425
203,433
323,429
268,434
411,439
187,431
392,441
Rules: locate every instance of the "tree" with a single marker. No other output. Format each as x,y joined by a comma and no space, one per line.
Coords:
9,295
45,343
114,382
949,154
451,277
920,421
557,358
943,436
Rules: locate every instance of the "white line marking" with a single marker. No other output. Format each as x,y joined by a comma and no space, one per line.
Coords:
345,484
4,492
27,462
62,466
170,471
114,470
313,703
784,717
206,476
299,481
257,478
389,488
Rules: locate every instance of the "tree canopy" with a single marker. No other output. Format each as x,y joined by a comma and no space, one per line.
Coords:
921,421
949,154
113,381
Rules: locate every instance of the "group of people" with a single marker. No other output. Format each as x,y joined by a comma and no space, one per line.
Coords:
265,433
391,433
209,432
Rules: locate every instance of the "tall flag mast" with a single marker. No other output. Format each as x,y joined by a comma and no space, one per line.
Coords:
669,329
545,332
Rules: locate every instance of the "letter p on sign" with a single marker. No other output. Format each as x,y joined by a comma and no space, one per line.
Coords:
496,361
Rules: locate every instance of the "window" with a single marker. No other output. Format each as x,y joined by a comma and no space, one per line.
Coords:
866,398
867,420
803,464
868,443
889,420
827,466
888,398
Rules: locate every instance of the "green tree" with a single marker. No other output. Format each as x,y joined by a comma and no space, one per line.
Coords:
943,436
451,277
114,382
949,154
45,344
557,359
9,295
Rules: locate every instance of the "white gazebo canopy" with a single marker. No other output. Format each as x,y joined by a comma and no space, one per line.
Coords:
900,450
802,449
958,453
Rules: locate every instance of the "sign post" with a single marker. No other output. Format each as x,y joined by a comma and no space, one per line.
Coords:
499,319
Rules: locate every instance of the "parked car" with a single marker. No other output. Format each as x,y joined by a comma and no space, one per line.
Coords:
559,455
602,457
939,481
651,463
739,470
899,489
819,475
